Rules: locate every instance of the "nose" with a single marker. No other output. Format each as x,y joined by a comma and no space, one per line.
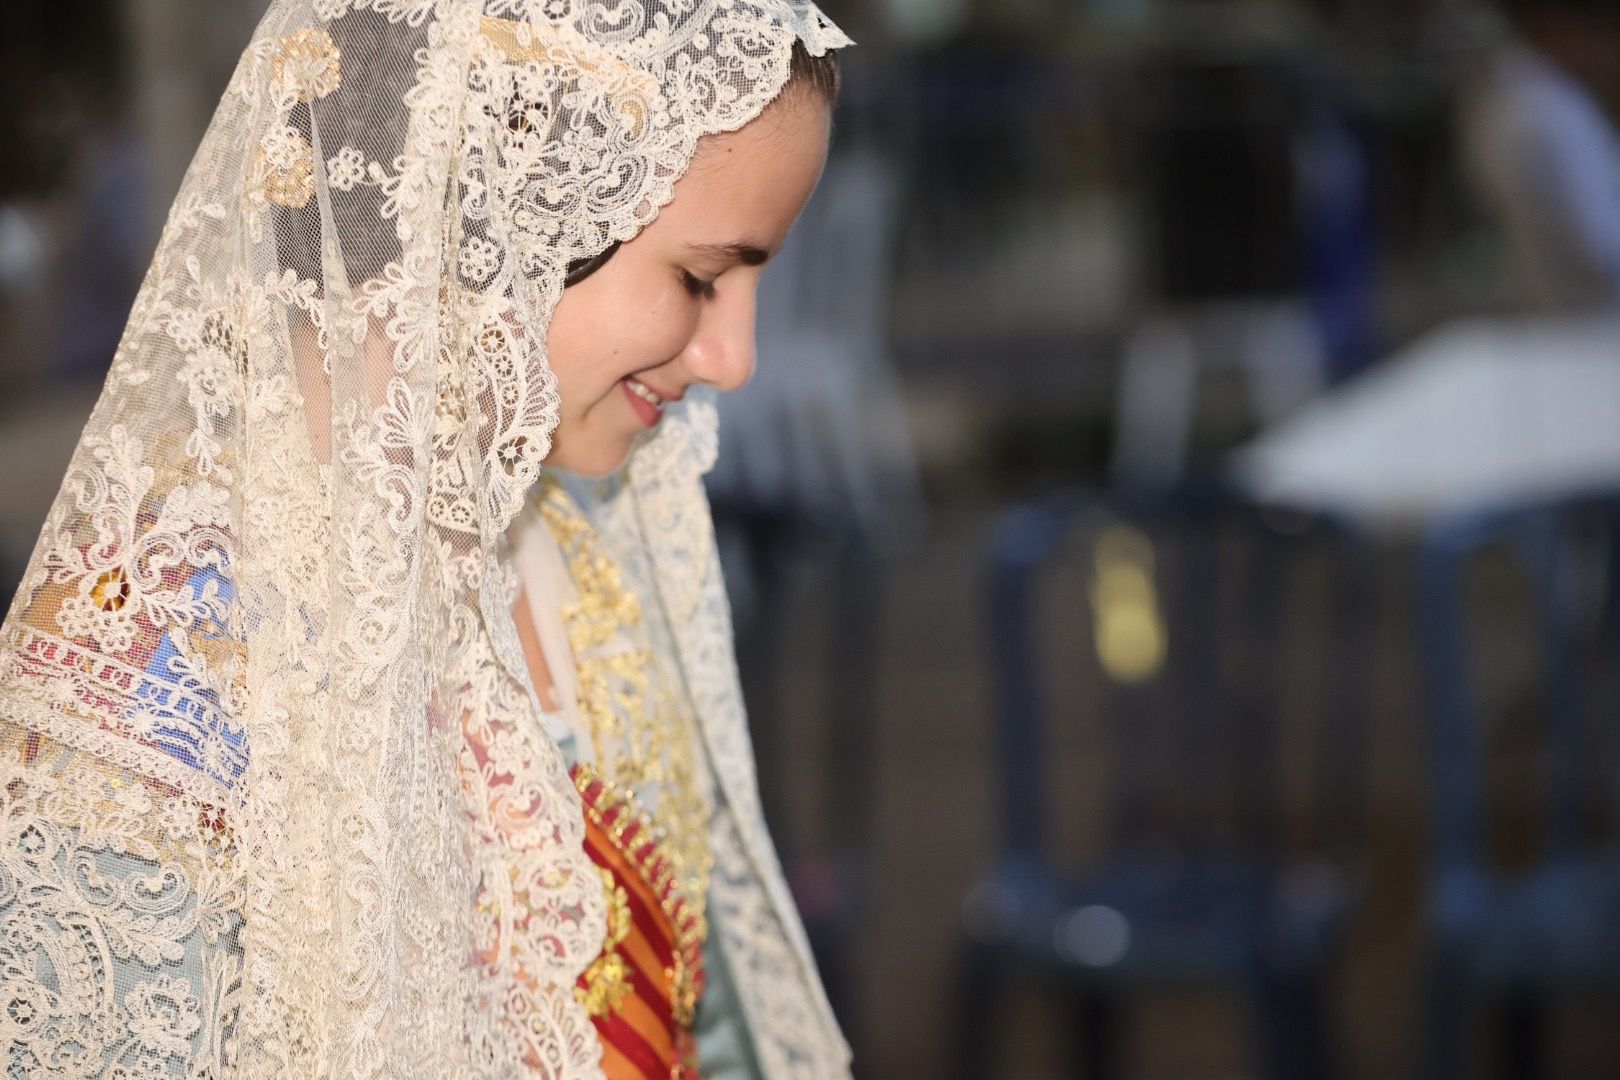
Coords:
721,353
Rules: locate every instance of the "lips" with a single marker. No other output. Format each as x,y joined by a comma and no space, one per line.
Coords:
646,404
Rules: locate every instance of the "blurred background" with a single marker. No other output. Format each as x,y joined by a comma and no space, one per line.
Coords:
1174,532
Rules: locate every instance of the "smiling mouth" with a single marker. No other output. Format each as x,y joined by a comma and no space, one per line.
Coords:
647,405
641,391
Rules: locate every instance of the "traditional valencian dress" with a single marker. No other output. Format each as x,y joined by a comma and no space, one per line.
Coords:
627,726
277,795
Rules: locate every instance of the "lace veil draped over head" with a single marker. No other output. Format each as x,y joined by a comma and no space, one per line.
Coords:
274,800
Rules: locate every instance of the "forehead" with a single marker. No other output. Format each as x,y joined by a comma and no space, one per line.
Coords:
749,184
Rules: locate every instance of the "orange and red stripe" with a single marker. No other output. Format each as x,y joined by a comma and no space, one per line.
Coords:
645,1030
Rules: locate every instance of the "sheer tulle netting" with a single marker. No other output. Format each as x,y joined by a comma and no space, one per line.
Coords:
274,799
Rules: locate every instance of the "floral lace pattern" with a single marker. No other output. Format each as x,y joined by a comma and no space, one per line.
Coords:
269,755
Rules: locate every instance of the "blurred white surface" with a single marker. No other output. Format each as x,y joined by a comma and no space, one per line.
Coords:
1479,413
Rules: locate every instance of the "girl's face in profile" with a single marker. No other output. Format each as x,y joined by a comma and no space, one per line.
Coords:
674,306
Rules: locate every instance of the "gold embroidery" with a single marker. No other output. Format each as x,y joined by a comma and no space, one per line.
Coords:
558,45
632,91
683,1001
617,812
290,182
111,590
309,62
607,980
642,732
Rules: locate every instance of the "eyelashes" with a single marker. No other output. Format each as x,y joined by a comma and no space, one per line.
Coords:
697,286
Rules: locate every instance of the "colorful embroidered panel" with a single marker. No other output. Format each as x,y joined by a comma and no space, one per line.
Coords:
642,990
172,702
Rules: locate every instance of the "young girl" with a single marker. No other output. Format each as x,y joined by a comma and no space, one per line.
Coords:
367,708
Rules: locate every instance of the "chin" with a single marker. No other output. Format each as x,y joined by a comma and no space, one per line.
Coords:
601,472
596,463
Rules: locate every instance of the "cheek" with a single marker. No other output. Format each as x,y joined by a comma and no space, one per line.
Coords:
634,338
667,331
564,346
614,324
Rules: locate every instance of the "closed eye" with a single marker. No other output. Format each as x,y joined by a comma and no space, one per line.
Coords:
697,286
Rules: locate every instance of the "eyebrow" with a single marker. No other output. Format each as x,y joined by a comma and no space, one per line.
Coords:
747,254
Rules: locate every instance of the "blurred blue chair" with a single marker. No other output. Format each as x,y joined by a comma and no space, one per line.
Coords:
1206,880
1521,939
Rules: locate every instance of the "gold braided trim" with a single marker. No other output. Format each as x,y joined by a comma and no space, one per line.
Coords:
618,813
607,980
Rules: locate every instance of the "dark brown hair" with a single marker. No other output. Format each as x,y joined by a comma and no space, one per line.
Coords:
824,73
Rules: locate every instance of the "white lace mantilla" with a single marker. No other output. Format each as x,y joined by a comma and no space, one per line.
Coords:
274,795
